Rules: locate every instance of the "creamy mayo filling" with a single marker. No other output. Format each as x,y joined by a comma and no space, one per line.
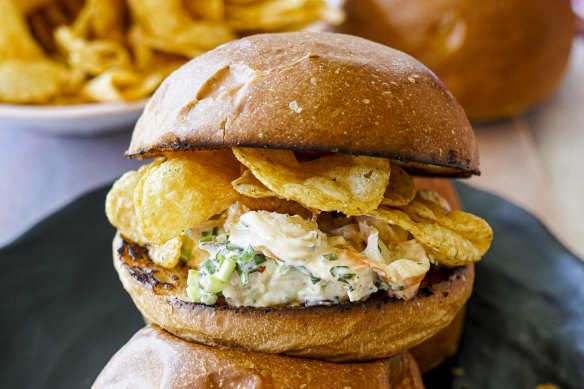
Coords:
283,285
296,242
289,260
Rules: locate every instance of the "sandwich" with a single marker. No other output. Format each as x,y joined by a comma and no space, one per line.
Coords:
278,214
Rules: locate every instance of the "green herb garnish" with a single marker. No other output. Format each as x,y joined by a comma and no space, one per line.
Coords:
243,276
314,279
342,273
209,267
247,254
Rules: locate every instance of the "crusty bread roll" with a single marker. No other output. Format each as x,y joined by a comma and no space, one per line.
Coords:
153,358
310,91
498,57
376,328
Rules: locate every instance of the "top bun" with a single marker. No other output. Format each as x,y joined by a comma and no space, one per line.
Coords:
307,91
498,57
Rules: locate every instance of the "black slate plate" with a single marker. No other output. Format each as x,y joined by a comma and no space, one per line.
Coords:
63,312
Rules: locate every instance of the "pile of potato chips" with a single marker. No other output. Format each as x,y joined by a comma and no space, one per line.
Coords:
76,51
156,204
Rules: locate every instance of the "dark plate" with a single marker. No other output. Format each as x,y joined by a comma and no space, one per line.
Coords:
64,312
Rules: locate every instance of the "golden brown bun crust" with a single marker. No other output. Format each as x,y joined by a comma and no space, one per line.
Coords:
377,328
310,91
498,57
155,358
432,352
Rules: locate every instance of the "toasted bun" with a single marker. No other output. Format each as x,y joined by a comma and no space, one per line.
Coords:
432,352
498,57
310,91
155,358
377,328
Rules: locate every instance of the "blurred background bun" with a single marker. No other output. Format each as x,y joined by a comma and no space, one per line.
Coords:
498,57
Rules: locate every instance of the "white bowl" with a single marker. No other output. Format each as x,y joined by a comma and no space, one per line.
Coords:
81,119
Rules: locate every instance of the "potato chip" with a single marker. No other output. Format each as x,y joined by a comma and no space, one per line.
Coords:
97,19
120,50
468,225
119,205
182,192
275,204
16,41
44,16
212,10
257,197
146,58
429,206
102,19
272,15
446,242
70,7
30,82
168,254
434,197
420,212
219,159
250,186
400,190
42,31
28,6
350,184
119,85
91,57
166,26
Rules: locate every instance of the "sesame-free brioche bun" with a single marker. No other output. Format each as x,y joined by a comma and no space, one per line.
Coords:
432,352
377,328
310,91
156,358
498,57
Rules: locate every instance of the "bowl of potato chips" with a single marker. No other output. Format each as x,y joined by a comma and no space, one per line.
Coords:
87,66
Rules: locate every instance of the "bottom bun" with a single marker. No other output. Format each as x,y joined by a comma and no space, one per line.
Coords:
155,358
377,328
432,352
